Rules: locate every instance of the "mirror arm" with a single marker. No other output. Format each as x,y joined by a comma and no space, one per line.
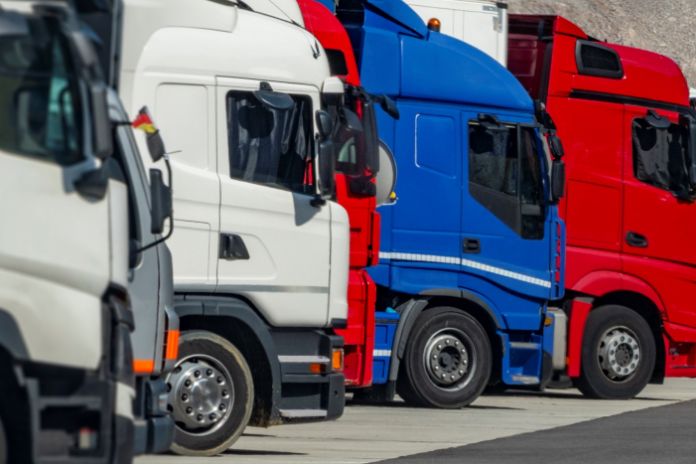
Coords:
164,238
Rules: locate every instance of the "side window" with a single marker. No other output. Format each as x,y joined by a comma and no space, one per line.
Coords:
660,156
505,175
40,112
270,146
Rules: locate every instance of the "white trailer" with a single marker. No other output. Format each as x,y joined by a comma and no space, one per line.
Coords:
481,23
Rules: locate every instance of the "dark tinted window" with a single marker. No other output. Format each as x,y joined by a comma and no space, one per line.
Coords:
337,62
270,146
39,100
595,59
660,156
505,175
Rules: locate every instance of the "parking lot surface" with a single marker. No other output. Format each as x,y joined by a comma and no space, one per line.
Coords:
373,433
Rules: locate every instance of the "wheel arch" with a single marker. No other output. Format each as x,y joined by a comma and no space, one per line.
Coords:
235,320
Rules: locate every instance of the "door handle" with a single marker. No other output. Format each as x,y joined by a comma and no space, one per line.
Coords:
232,247
471,245
636,240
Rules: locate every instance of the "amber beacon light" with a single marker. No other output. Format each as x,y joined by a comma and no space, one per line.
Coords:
434,24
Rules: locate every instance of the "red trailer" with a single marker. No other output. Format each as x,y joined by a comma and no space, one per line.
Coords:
630,142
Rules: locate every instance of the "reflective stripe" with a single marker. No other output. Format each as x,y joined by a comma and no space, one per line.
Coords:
382,353
465,263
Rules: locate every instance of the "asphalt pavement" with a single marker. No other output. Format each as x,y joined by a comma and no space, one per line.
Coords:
663,434
556,426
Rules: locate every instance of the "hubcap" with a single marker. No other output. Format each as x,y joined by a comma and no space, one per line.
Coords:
201,394
448,358
619,353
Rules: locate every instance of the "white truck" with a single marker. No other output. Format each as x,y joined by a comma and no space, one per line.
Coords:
68,155
65,352
260,251
481,23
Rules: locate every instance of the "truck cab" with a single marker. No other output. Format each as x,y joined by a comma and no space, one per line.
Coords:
472,250
625,117
260,251
64,254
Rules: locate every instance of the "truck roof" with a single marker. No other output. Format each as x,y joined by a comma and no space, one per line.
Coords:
219,40
646,75
418,63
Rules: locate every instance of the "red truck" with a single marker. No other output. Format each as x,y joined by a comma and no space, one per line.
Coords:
355,191
630,142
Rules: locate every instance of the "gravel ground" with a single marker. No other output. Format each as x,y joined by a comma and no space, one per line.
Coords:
663,26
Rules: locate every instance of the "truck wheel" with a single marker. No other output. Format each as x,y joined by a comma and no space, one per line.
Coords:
3,444
211,394
618,354
447,362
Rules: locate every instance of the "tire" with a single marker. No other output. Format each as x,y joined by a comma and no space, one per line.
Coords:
618,354
209,362
3,444
445,341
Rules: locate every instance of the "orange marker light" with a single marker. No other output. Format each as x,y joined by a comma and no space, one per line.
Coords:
172,345
337,360
434,24
143,366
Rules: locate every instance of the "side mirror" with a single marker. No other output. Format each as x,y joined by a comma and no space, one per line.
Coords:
351,120
325,124
161,196
386,177
273,100
325,165
389,106
102,138
556,146
558,178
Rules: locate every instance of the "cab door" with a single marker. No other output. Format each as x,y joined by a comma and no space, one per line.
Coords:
659,218
274,241
505,228
55,239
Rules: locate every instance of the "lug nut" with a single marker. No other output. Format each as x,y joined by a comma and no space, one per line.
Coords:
187,383
189,410
209,372
199,417
219,379
184,397
212,416
197,374
222,407
224,393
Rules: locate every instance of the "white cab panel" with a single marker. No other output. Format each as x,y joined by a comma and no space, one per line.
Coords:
340,261
55,259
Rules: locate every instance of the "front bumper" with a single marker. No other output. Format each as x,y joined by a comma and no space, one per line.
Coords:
311,389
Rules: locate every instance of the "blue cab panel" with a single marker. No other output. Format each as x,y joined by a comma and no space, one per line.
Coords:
386,323
472,213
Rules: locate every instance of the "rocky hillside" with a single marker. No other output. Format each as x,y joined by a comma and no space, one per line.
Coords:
664,26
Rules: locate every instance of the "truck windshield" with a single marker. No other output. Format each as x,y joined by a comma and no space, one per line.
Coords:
39,96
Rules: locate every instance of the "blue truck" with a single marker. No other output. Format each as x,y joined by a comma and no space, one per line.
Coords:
472,251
